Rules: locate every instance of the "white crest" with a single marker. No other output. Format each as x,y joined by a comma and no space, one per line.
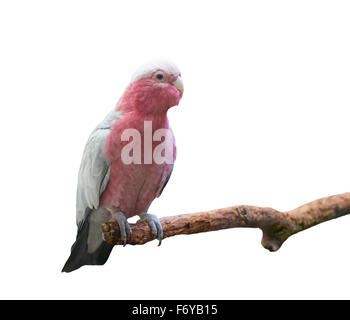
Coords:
150,67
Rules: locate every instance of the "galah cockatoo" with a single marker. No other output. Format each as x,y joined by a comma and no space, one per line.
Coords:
119,177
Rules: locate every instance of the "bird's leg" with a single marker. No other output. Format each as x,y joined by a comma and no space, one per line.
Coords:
125,230
154,224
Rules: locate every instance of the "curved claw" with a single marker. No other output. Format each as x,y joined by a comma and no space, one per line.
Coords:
154,224
125,230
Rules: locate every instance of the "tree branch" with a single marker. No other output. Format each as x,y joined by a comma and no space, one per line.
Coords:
277,226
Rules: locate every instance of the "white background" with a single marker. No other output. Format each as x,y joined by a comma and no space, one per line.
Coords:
264,121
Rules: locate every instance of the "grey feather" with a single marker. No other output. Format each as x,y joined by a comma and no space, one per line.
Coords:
165,183
89,247
80,253
94,169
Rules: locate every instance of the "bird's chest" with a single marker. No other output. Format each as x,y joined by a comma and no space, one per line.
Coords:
133,187
142,159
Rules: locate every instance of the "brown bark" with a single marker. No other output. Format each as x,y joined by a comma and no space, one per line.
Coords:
276,226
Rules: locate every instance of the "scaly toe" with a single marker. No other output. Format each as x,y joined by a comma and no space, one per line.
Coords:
155,225
125,230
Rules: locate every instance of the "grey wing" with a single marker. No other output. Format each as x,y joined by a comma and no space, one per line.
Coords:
94,169
165,183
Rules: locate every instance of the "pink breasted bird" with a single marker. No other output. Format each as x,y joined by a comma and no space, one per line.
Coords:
110,189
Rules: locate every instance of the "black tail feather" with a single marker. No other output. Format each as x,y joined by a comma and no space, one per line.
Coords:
79,253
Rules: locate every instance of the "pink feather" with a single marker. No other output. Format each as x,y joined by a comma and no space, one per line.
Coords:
133,187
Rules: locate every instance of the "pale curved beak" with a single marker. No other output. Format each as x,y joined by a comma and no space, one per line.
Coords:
179,84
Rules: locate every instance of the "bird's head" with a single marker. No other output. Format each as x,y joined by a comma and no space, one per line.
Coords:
155,87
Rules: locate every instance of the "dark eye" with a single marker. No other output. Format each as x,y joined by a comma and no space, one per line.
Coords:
159,76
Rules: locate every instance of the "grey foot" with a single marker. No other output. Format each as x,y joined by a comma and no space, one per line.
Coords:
154,224
125,230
